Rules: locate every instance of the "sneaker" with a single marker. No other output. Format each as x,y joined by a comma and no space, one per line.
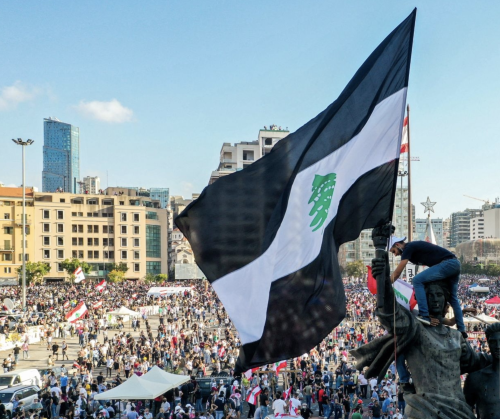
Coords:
465,335
424,320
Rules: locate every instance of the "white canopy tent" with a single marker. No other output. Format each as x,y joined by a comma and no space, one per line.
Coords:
135,388
483,280
157,375
124,311
487,319
479,289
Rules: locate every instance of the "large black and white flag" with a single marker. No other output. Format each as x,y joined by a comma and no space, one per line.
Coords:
267,237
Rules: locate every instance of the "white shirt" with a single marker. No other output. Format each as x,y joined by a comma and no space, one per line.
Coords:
279,406
294,407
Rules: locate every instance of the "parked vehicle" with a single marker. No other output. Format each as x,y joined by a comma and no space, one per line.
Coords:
27,394
20,377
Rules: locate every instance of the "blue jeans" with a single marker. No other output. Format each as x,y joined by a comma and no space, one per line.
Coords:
404,375
263,411
446,270
326,410
308,401
401,407
199,407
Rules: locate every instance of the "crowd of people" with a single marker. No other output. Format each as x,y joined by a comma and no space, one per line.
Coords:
190,333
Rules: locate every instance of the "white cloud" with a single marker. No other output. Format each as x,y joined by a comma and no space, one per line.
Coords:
112,111
11,96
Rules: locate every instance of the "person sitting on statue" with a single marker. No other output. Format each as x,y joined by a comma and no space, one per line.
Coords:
482,388
442,265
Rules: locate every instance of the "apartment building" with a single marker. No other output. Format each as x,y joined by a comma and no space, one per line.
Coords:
100,229
11,240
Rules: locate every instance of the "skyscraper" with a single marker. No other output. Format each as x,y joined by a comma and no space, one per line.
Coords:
61,156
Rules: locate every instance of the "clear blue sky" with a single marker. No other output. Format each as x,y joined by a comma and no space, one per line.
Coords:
187,76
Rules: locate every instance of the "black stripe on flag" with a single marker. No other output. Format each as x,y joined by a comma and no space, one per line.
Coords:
251,232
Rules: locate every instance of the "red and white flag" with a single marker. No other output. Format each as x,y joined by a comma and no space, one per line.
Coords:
134,296
252,396
79,275
101,286
66,304
97,305
222,352
76,365
404,139
78,312
287,393
278,366
250,372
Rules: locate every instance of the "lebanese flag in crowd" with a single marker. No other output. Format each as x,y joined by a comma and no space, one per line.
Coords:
134,296
79,275
279,366
97,305
287,393
76,365
222,352
319,188
66,304
405,294
250,372
404,140
101,286
78,312
252,396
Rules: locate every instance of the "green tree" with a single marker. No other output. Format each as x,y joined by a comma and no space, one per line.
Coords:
149,278
356,269
71,265
152,278
116,276
35,271
122,266
161,277
493,270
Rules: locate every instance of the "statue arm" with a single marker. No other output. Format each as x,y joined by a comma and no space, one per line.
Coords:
469,390
471,361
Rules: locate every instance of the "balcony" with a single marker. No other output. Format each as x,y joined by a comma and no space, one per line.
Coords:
6,249
19,222
228,161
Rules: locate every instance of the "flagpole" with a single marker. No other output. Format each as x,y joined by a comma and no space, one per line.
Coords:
410,212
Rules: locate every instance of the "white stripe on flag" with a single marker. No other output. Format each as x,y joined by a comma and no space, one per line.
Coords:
295,245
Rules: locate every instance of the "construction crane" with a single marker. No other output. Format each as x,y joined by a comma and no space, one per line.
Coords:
486,201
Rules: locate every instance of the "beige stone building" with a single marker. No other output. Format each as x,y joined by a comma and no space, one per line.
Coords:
100,230
11,242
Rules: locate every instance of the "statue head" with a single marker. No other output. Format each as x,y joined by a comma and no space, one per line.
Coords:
493,338
438,295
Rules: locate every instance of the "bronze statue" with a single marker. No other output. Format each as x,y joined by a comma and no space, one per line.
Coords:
482,388
435,355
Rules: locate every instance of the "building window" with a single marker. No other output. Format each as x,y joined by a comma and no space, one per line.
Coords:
89,241
89,214
6,245
90,253
122,202
8,230
96,229
46,240
136,242
74,254
60,228
46,228
6,216
60,267
137,267
60,215
46,214
111,242
136,229
124,229
136,217
153,267
60,254
7,257
92,202
136,254
89,229
124,242
151,215
80,254
105,242
96,254
123,216
46,253
124,254
60,241
96,241
107,202
105,254
7,270
153,241
80,241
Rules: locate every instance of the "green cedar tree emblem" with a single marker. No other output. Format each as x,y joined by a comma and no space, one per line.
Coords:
322,193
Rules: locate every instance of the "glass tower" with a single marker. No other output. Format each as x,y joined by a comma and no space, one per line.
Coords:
61,156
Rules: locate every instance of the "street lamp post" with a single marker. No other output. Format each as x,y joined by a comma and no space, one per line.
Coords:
20,142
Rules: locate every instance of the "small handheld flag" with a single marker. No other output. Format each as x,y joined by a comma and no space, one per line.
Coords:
253,395
101,286
78,312
79,275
